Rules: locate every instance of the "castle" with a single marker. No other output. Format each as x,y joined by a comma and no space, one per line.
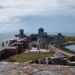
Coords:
43,38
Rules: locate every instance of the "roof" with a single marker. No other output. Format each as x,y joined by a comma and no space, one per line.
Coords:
10,47
24,39
16,43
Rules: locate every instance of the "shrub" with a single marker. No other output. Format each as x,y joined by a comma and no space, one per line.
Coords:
72,58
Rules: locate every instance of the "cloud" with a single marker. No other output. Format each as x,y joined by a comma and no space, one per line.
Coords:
13,11
1,7
18,8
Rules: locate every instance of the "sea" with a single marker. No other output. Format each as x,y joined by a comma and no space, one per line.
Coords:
4,36
70,47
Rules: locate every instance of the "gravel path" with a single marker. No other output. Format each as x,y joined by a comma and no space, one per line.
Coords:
66,53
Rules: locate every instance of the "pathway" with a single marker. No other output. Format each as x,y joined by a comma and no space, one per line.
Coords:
55,51
59,51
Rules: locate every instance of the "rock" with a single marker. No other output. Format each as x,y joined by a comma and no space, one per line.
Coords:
17,68
44,73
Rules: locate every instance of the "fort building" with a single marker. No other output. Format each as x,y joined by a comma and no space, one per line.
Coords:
44,39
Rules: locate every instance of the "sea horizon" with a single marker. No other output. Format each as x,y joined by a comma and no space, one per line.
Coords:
4,36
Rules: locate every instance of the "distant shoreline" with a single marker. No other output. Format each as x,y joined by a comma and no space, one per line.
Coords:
10,35
62,47
71,47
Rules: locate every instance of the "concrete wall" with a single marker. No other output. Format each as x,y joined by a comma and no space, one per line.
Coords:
2,55
42,40
57,39
25,43
10,52
7,52
20,47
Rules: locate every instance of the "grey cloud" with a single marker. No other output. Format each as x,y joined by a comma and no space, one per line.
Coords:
35,7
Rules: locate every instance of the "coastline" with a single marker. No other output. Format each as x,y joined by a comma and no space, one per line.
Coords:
71,47
69,40
63,50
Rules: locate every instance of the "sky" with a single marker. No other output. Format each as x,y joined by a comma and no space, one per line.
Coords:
53,15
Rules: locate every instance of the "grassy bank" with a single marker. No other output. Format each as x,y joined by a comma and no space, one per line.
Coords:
70,40
62,47
29,57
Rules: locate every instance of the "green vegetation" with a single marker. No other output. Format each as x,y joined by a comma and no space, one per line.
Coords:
33,42
66,56
70,39
28,57
72,58
62,47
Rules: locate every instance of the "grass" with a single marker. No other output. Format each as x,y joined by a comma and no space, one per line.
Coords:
62,47
65,55
70,38
28,57
33,42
